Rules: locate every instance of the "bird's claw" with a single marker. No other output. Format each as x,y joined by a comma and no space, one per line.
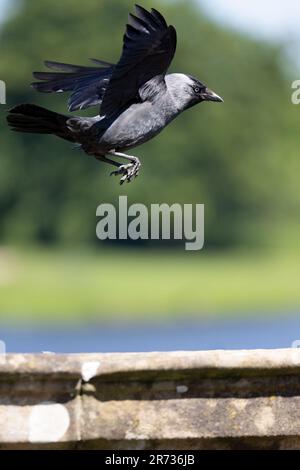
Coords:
129,171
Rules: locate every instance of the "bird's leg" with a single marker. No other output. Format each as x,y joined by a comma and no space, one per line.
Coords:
108,160
130,170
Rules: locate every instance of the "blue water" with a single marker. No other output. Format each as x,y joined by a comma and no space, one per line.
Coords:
279,332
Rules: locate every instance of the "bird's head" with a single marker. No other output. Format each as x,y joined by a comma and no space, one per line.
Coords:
188,91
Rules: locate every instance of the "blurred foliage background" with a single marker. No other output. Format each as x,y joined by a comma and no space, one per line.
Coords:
241,159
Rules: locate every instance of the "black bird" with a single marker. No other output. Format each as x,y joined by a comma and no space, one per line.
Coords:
137,97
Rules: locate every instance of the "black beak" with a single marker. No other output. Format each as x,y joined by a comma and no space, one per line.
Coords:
209,95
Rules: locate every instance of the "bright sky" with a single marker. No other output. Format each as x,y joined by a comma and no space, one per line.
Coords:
3,5
269,18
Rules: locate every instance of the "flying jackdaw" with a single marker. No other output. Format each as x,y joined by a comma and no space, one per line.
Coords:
137,97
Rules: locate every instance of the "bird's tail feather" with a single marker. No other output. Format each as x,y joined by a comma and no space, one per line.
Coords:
30,118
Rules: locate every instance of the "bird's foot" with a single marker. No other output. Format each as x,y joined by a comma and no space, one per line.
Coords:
129,171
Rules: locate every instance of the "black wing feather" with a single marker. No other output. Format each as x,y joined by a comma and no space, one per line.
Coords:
87,84
159,17
149,47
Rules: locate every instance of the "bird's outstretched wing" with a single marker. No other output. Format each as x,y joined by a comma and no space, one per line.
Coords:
149,47
87,84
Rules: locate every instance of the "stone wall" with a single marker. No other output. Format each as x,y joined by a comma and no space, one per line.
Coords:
178,400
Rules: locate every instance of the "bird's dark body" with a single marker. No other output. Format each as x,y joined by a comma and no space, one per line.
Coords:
137,98
138,123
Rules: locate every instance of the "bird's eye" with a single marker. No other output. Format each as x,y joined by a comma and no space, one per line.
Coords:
196,89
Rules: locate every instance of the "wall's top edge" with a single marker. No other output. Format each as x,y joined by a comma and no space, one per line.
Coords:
155,364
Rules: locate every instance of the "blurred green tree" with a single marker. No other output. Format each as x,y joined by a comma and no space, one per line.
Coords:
240,158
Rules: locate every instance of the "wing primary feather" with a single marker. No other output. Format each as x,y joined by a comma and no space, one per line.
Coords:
173,35
159,17
61,66
147,17
131,32
103,63
138,23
